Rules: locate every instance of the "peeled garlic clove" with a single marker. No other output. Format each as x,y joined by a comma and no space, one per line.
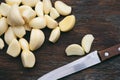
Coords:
27,13
28,59
38,22
51,23
14,17
67,23
19,31
1,44
24,44
55,34
63,8
3,25
14,48
12,2
74,49
54,14
9,36
39,9
47,5
4,9
30,3
37,38
87,42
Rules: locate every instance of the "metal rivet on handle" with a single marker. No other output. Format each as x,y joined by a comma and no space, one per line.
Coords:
106,54
119,49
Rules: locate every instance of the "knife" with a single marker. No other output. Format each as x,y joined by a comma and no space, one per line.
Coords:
87,61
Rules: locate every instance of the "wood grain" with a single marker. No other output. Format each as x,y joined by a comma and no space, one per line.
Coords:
98,17
109,52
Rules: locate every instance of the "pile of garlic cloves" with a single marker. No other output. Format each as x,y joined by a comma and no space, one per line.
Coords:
19,16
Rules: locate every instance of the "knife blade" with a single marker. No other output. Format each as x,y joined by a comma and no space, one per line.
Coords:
87,61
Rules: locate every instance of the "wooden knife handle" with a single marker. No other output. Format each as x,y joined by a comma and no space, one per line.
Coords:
109,52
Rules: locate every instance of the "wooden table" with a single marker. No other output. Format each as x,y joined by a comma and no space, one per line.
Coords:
98,17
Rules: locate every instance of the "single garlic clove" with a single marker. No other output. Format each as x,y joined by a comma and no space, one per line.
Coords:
12,2
3,26
47,5
63,8
74,49
39,9
54,14
27,13
14,17
9,36
4,9
30,3
37,39
27,27
1,43
38,22
28,59
24,44
19,31
87,42
55,34
14,48
67,23
51,23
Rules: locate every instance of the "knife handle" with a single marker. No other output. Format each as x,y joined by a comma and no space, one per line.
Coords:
109,52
